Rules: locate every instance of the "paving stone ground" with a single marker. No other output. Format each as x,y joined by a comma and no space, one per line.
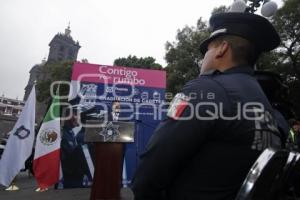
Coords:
27,185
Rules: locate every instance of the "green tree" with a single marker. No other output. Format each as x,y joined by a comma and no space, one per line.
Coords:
51,72
133,61
287,22
183,55
285,60
270,61
219,9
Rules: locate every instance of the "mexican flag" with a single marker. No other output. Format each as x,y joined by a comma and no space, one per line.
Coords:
46,163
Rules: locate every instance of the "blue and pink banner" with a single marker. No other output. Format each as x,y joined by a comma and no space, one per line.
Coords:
139,93
92,73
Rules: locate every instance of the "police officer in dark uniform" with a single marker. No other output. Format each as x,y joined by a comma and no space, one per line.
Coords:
277,93
218,124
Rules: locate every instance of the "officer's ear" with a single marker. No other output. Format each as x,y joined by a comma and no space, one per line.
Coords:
222,49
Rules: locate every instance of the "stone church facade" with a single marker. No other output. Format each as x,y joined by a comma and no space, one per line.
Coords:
62,48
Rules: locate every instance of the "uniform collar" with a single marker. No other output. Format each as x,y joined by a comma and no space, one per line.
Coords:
211,72
243,69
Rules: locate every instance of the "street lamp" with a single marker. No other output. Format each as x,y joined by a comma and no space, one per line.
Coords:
268,8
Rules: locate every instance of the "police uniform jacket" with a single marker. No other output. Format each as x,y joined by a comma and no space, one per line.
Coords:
208,155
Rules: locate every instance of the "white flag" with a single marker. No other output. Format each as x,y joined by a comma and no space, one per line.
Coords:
19,144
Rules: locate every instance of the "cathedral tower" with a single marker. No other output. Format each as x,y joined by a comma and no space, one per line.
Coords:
63,47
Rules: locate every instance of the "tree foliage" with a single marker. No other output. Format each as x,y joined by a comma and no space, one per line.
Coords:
52,72
287,22
133,61
285,60
219,9
184,55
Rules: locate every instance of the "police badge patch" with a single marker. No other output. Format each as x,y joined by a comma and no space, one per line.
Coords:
178,105
22,132
110,132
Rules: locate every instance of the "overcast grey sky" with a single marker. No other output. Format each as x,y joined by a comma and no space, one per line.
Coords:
106,30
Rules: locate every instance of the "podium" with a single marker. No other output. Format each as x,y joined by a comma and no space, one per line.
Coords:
109,139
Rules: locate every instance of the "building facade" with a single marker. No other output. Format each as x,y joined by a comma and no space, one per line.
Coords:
61,48
10,109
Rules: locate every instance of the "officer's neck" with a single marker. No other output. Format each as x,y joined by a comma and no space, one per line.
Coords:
225,64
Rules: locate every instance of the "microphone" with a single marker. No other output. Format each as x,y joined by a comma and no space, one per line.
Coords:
269,9
238,6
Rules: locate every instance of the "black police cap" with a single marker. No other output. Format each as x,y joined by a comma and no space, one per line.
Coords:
256,29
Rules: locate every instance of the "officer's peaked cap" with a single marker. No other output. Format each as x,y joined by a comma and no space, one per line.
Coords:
256,29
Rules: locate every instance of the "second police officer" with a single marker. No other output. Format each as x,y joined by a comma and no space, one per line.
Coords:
208,143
